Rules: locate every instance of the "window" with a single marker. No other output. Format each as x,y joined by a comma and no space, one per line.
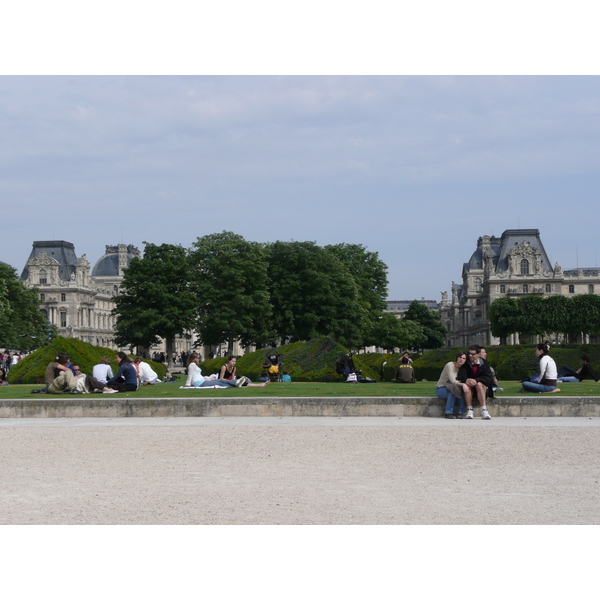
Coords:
115,289
477,284
42,297
478,302
524,267
525,288
591,288
548,288
43,277
63,297
63,319
571,289
503,289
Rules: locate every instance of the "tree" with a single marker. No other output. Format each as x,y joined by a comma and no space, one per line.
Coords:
431,322
584,313
389,332
155,300
556,314
504,315
313,294
22,325
230,284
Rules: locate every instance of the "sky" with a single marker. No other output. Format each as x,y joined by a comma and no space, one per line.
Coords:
414,168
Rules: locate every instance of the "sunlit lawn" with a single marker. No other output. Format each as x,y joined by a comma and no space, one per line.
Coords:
387,389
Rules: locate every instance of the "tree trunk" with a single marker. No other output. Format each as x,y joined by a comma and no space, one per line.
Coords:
230,345
169,342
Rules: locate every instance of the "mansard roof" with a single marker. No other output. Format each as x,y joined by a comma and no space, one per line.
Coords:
61,251
500,247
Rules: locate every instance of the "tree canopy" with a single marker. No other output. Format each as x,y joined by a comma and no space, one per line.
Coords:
229,280
313,294
155,300
22,324
430,321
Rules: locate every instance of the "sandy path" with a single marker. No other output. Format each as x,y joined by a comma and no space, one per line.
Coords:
299,475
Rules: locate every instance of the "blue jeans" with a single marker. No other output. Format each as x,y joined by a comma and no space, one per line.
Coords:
568,379
450,398
213,382
537,387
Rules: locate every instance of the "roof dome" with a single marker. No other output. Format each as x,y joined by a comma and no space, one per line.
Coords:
108,265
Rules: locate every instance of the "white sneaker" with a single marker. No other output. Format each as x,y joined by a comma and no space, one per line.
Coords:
240,382
469,413
485,415
110,391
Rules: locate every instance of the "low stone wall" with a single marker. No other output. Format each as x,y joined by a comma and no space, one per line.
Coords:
111,407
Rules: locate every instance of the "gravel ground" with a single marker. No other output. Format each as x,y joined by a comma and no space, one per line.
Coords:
290,474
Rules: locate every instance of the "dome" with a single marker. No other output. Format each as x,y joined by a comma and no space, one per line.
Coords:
108,265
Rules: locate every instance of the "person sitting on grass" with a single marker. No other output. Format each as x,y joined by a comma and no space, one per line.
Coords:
568,375
405,373
548,376
125,379
146,373
228,369
286,377
196,379
264,376
3,380
102,371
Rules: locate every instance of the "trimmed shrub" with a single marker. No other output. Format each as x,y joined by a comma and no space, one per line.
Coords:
31,369
306,361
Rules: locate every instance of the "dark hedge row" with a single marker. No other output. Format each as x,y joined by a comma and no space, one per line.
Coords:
31,369
510,362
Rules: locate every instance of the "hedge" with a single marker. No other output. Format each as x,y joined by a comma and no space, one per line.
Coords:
511,363
32,368
306,361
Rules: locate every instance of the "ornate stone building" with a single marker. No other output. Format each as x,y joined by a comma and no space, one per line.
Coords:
78,303
514,264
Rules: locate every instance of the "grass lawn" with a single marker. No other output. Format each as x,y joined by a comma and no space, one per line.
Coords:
171,390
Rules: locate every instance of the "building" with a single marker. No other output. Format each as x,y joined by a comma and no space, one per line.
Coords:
514,264
399,307
79,304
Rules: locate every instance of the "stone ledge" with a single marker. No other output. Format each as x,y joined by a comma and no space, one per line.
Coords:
50,407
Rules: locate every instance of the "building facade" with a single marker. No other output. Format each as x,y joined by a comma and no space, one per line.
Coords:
514,264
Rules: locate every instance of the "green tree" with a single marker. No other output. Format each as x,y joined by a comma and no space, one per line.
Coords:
531,315
22,325
556,314
431,321
504,317
313,294
230,284
584,313
389,332
155,300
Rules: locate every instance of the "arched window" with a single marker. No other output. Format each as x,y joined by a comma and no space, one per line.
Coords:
115,290
548,288
591,288
571,289
43,277
524,267
525,288
477,284
503,289
478,302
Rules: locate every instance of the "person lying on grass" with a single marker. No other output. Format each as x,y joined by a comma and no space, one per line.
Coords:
196,379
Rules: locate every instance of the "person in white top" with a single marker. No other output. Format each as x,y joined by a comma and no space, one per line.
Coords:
548,373
102,372
146,373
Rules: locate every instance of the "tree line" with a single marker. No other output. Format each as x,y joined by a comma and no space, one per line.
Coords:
22,325
227,288
545,316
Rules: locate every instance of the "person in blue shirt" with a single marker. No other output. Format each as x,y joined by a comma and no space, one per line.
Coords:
125,379
286,377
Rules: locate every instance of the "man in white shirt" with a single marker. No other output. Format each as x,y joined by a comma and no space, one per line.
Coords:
146,374
102,372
